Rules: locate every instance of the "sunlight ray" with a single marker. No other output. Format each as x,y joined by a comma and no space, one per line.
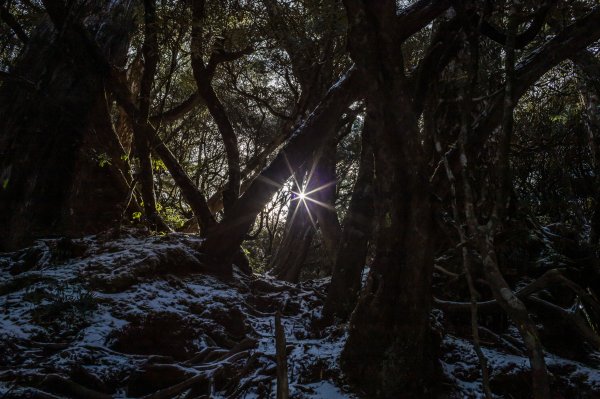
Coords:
310,175
269,181
295,212
287,162
323,204
312,221
324,186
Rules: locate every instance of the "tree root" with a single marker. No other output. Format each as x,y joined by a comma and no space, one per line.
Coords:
571,319
553,276
549,278
177,388
503,341
77,390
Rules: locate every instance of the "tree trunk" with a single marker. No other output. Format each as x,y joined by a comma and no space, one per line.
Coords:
589,68
305,214
314,78
142,147
321,194
283,390
298,234
55,138
358,225
215,107
225,238
389,348
389,344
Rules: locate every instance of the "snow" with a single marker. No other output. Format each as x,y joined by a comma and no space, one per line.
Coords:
325,389
129,278
47,325
460,366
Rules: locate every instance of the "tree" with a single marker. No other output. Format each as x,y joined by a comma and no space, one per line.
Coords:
57,135
424,126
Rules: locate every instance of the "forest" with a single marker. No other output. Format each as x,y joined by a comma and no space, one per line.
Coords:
299,199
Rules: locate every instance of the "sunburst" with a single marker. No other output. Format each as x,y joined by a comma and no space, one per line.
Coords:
303,195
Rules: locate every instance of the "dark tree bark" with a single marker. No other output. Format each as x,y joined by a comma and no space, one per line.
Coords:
14,25
357,229
77,38
189,191
389,348
322,198
55,139
389,343
283,390
589,69
251,169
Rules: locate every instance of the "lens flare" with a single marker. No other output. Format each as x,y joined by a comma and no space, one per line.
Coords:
303,196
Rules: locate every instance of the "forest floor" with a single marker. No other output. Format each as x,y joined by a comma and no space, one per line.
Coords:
132,315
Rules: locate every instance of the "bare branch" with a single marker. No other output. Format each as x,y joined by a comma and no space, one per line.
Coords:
523,39
7,17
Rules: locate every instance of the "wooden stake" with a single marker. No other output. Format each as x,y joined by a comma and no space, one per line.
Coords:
283,390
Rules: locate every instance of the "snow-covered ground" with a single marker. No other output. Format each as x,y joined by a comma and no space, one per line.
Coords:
129,315
113,307
461,367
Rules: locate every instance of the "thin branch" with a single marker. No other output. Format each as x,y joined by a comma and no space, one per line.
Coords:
203,76
7,17
77,37
308,137
523,39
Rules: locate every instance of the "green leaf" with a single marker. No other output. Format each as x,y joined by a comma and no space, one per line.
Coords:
103,159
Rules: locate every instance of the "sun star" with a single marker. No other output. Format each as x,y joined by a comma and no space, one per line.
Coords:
303,196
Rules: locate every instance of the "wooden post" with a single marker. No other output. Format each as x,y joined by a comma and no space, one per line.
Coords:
283,390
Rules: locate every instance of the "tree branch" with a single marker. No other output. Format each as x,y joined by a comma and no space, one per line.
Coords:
203,76
80,41
7,17
418,15
225,238
566,43
522,39
150,53
196,99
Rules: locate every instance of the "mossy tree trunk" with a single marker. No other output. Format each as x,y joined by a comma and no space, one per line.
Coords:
56,136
